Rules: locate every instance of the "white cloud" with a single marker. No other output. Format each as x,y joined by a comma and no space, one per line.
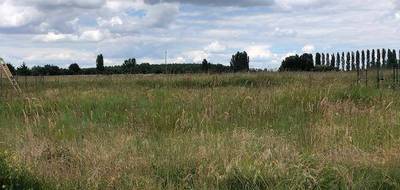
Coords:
309,48
259,52
215,47
93,35
196,56
85,36
15,16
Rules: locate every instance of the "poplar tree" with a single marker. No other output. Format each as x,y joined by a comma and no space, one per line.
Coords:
373,58
338,61
343,61
353,66
358,60
348,61
368,59
327,59
383,57
323,59
363,59
318,59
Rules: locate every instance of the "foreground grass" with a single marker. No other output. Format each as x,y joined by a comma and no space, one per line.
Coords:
261,131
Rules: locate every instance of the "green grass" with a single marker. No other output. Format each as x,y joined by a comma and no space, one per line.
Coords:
235,131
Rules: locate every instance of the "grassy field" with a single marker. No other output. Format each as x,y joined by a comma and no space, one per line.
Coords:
244,131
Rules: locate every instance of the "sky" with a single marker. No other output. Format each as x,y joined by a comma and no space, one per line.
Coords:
61,32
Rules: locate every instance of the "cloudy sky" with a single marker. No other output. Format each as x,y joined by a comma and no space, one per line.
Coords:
61,32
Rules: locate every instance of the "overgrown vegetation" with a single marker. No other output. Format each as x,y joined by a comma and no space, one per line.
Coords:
234,131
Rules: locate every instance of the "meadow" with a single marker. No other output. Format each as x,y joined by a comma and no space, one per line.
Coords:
232,131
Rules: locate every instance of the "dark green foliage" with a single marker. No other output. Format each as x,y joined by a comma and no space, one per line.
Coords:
348,61
13,179
100,63
304,62
343,61
318,59
363,59
74,69
383,57
373,58
129,66
23,70
392,58
358,60
338,61
323,68
323,59
328,61
205,65
353,61
240,62
333,60
11,68
368,59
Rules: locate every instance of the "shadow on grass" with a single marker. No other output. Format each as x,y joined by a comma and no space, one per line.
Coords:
12,179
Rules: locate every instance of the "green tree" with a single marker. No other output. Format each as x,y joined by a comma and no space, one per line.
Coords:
240,62
129,66
205,65
348,61
358,60
368,59
328,60
353,60
373,58
74,69
343,61
11,68
100,63
383,57
23,70
318,59
338,61
323,58
363,59
333,60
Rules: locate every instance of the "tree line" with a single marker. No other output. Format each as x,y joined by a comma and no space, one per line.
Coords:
239,63
344,61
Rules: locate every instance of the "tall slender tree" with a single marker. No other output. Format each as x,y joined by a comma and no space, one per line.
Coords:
240,62
353,60
323,59
100,63
368,59
343,61
338,61
358,60
348,61
363,59
373,58
327,60
383,58
318,59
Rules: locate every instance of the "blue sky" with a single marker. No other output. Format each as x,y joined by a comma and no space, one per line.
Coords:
61,32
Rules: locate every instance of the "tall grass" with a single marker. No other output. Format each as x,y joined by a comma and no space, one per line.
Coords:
237,131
